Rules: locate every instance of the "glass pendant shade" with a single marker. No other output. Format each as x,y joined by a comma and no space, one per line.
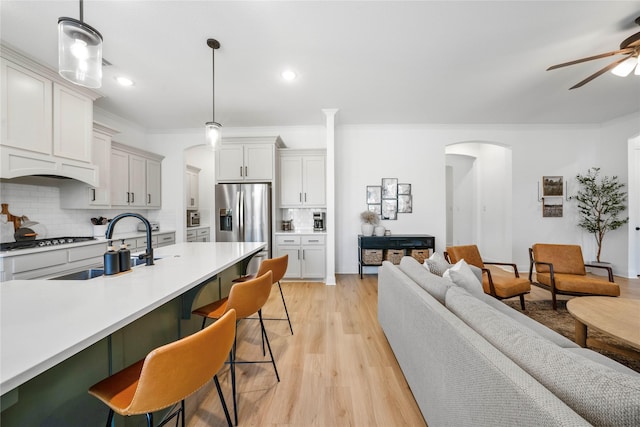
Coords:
625,68
637,72
79,53
214,137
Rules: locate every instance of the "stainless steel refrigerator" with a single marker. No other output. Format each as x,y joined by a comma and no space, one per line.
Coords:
244,215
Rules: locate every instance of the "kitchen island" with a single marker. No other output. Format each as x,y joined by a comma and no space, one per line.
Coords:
47,322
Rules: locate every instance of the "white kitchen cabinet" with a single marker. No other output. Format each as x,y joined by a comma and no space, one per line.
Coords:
46,125
302,178
192,189
72,124
198,234
246,159
78,195
306,252
135,177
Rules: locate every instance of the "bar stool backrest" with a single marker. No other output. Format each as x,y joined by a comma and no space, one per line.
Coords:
176,370
278,267
249,297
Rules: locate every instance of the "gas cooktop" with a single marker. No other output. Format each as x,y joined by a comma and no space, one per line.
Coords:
40,243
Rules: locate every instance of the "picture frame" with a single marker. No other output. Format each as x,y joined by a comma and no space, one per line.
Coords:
389,209
552,186
552,207
405,203
404,189
374,194
377,208
389,188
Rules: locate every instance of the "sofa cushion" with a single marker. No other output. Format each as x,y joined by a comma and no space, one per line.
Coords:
528,322
437,264
436,286
584,284
461,275
603,396
505,283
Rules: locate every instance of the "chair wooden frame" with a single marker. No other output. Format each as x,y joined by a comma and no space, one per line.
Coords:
490,280
555,291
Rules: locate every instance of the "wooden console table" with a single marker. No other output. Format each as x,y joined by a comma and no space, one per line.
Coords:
401,242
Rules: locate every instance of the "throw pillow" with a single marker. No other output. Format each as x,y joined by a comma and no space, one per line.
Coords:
436,264
461,275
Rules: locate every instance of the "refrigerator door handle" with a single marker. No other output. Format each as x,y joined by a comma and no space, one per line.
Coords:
241,214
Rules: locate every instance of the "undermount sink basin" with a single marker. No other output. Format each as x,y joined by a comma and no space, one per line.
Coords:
81,275
97,272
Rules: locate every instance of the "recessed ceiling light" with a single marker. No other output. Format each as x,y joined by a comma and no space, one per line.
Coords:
124,81
289,75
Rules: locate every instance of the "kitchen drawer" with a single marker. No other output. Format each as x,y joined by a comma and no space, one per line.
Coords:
41,260
313,240
166,239
191,235
86,252
202,232
141,242
287,240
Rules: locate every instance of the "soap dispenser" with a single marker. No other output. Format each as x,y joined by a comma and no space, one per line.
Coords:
111,261
124,256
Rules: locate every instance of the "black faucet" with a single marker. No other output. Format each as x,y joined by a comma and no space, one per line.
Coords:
149,255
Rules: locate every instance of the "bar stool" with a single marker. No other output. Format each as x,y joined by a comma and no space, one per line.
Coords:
169,374
246,298
278,267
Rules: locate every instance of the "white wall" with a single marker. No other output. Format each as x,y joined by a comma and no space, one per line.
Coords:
461,221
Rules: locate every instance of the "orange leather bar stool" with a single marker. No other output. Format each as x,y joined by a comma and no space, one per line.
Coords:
246,298
278,267
169,374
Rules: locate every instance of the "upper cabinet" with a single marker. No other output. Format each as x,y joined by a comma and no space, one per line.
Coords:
46,125
78,195
302,178
192,189
135,177
247,159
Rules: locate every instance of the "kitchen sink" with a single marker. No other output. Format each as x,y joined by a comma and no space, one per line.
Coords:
81,275
97,272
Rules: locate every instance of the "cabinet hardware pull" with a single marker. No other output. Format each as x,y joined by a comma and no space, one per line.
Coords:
314,241
305,197
288,241
303,254
298,253
300,194
149,197
133,197
93,197
241,171
128,197
246,172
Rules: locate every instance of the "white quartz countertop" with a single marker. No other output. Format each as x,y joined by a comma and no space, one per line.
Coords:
301,231
43,322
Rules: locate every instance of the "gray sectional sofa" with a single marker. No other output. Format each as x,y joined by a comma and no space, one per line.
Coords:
470,360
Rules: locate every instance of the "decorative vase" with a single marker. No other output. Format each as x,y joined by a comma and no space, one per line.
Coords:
379,230
367,229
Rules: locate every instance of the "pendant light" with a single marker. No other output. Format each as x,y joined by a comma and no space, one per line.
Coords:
79,52
213,128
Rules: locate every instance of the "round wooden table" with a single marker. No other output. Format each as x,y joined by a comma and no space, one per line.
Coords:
618,317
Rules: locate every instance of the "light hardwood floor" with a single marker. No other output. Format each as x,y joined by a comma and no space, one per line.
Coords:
336,370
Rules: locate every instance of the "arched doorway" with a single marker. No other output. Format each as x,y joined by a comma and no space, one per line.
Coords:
479,190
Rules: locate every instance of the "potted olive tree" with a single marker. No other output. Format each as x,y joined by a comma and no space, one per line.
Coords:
600,202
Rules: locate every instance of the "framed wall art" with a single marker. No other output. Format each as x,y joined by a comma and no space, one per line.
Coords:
389,208
389,188
552,207
404,203
552,186
374,194
375,208
404,189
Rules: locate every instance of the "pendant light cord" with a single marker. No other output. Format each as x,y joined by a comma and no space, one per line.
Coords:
213,83
81,11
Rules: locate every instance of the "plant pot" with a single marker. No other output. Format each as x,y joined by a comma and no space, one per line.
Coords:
378,230
367,229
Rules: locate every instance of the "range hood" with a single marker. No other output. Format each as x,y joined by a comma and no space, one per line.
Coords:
17,163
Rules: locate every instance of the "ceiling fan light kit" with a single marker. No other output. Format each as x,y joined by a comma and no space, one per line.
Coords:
630,47
213,128
79,52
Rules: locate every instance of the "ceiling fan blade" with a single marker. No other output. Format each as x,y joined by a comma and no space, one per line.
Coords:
600,72
591,58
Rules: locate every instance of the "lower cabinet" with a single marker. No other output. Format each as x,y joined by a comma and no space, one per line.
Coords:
306,255
198,235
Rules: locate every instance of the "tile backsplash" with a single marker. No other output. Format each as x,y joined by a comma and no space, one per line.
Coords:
41,203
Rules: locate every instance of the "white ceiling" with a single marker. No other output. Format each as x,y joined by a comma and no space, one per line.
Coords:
435,62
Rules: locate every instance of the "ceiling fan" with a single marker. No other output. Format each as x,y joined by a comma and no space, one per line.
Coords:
630,48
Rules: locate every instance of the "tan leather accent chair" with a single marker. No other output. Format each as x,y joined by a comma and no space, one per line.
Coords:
246,298
496,281
561,269
278,267
169,374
